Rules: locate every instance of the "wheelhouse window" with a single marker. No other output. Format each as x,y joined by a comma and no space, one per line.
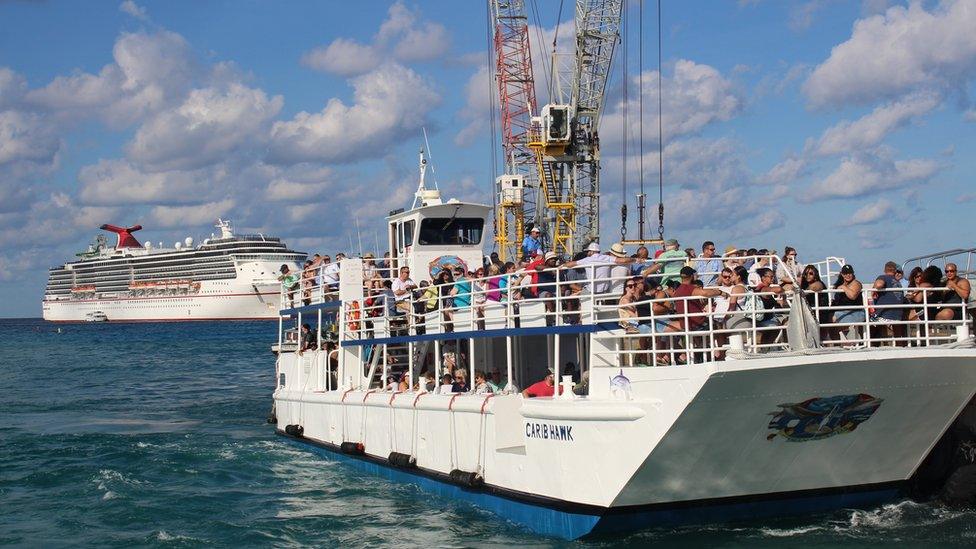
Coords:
439,231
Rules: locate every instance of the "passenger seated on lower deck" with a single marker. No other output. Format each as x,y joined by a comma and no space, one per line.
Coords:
306,338
544,388
447,384
460,384
481,384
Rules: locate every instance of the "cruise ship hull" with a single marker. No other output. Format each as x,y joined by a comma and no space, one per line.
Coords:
218,300
717,442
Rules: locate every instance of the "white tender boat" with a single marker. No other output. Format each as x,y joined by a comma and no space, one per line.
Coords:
762,420
96,316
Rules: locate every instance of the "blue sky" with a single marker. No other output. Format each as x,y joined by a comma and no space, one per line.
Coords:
839,127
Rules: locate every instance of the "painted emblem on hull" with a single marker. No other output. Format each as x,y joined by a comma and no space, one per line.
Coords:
822,417
445,262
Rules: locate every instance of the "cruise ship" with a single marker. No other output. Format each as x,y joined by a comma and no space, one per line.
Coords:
226,277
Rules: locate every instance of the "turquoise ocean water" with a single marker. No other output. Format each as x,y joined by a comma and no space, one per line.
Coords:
155,435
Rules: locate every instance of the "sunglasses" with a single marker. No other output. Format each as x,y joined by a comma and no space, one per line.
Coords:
631,285
950,270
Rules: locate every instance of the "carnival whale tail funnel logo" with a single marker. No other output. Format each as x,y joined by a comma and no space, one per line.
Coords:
822,417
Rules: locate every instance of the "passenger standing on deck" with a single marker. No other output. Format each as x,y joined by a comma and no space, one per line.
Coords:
403,288
289,283
603,262
532,243
693,308
669,262
848,297
708,266
956,294
462,289
330,274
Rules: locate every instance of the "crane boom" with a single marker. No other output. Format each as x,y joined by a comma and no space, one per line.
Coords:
597,35
515,190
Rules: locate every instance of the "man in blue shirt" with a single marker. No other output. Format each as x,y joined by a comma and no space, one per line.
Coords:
707,265
532,243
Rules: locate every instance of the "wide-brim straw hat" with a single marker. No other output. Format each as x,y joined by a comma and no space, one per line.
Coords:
618,250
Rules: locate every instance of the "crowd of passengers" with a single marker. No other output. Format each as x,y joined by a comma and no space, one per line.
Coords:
645,286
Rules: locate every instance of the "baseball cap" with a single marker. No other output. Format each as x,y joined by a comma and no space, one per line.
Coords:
593,247
847,269
535,230
671,242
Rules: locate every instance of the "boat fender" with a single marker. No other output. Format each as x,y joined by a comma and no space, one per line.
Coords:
403,461
354,448
296,431
465,478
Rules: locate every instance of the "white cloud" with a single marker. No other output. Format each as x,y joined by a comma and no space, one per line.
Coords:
28,142
168,217
847,137
410,37
477,108
13,87
866,174
388,104
118,183
904,49
150,72
344,57
403,36
135,10
301,183
207,127
872,213
803,14
786,172
969,116
694,97
965,197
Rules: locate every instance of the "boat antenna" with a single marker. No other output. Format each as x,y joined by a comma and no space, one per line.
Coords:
430,155
660,132
359,237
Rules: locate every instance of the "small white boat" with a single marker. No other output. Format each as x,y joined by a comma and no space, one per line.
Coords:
96,316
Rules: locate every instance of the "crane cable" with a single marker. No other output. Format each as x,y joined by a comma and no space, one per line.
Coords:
623,64
640,117
489,66
660,132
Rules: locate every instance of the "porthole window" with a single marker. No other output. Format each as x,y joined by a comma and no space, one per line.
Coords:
281,380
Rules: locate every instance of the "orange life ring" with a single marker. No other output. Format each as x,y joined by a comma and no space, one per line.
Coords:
353,316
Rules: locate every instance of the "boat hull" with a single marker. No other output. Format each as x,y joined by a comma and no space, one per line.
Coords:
561,520
229,301
715,442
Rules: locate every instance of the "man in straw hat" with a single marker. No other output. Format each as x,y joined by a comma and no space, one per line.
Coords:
602,264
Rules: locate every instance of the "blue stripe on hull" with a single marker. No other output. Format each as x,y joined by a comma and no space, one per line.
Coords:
569,525
742,512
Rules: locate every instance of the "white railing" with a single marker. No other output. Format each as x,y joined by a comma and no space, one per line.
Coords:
476,305
964,258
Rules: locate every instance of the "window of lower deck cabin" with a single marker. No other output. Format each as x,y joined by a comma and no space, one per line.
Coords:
450,230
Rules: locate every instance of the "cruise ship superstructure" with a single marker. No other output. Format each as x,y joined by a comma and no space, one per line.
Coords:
226,277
